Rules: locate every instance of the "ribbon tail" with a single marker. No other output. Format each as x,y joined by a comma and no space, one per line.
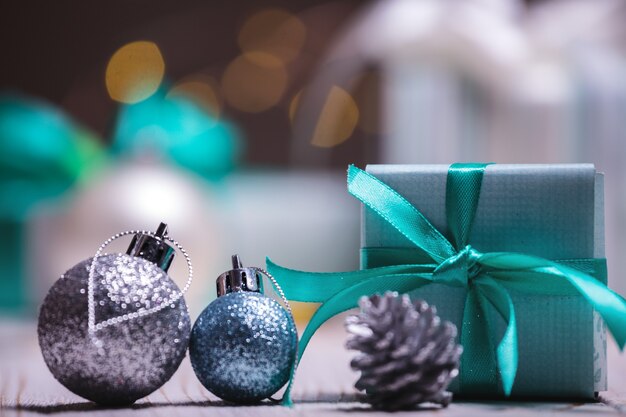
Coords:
610,305
317,287
507,351
478,364
349,298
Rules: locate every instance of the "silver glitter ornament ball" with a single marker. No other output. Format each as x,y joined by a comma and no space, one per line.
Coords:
120,363
243,345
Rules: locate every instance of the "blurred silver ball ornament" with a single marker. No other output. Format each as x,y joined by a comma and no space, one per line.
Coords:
116,329
136,193
244,344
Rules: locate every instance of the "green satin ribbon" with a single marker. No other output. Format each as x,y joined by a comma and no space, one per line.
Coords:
488,277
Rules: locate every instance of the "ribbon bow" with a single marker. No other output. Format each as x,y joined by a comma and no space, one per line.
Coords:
488,277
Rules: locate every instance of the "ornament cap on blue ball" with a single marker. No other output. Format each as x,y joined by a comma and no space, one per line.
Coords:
243,345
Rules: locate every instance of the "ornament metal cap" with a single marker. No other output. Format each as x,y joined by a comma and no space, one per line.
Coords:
238,279
153,248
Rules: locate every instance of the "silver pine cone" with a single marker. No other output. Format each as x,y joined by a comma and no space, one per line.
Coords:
408,356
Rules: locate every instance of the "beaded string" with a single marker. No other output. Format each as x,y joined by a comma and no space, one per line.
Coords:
288,307
91,304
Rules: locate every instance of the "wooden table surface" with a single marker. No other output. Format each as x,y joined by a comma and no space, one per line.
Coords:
323,387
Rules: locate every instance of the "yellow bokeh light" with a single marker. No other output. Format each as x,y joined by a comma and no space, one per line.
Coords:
338,118
293,106
302,312
275,32
254,82
202,90
135,72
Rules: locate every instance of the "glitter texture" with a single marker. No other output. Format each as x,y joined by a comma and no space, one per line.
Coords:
125,361
242,347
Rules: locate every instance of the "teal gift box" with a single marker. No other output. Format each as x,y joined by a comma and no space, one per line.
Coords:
512,254
551,211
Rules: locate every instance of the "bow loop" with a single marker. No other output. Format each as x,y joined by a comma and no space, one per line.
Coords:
460,269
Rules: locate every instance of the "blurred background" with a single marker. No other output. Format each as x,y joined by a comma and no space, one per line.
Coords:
234,121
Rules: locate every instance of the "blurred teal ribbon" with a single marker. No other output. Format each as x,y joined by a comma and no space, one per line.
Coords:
488,277
179,129
43,154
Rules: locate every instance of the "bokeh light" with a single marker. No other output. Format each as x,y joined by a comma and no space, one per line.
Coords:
200,89
338,118
275,32
254,82
302,312
135,72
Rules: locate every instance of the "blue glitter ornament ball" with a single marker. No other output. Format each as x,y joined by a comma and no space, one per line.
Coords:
243,345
